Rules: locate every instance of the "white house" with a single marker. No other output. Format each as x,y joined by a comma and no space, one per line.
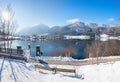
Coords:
77,37
104,36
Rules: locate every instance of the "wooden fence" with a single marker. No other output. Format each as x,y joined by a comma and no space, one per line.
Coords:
11,51
55,69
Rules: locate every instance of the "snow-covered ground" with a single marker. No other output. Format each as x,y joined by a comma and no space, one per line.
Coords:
20,71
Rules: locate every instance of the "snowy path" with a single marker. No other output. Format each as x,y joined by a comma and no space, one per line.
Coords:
20,71
16,71
1,65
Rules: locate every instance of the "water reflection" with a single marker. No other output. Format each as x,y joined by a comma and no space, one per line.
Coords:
57,47
75,48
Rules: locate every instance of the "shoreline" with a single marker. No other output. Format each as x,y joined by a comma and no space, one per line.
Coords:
75,62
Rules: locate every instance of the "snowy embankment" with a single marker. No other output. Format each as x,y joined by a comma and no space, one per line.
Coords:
72,59
20,71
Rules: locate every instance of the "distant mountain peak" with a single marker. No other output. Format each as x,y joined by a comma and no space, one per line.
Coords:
92,25
102,25
78,24
39,25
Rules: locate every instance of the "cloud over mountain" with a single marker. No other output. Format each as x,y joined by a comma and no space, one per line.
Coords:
71,21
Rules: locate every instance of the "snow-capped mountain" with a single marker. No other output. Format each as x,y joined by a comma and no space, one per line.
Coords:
92,25
75,28
95,25
77,24
72,29
102,25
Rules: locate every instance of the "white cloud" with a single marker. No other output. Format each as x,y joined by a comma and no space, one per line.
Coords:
71,21
111,19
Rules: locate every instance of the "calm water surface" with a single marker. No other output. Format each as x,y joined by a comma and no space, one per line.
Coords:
55,47
58,47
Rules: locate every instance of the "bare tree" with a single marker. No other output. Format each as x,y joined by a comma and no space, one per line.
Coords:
94,51
101,49
8,26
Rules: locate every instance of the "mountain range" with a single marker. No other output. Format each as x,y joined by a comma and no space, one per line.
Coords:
71,29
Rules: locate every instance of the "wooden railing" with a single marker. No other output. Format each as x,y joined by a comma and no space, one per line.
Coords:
11,51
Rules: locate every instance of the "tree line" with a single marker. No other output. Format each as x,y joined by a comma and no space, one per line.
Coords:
99,49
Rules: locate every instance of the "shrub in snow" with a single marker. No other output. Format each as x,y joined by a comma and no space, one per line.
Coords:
78,74
54,71
81,76
30,66
37,58
27,54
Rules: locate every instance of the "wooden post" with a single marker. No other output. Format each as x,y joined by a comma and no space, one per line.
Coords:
29,47
0,49
10,50
19,50
38,53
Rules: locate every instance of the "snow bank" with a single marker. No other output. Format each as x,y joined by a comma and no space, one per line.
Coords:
72,59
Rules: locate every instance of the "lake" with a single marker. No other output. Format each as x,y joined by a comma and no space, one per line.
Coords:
57,47
74,48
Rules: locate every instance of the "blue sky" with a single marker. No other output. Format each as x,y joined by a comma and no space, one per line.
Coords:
57,12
